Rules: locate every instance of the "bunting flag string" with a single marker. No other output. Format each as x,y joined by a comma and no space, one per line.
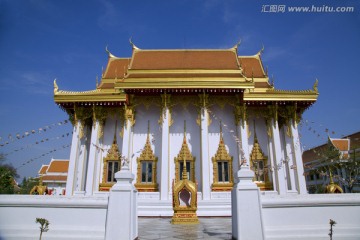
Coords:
42,155
38,142
18,136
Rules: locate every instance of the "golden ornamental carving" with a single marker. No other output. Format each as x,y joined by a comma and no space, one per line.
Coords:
221,101
83,115
268,123
240,114
166,104
129,115
113,155
147,101
147,155
222,156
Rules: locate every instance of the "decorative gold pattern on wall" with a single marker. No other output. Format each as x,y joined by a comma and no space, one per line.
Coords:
222,155
240,114
147,155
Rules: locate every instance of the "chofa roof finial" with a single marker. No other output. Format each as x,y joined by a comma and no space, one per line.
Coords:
108,52
132,44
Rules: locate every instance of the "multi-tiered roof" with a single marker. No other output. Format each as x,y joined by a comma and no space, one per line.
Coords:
180,71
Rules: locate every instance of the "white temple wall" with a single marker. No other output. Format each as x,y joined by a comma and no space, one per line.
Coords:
284,217
140,131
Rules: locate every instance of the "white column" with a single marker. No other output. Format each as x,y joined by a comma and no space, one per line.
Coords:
243,136
121,217
80,172
70,183
93,153
290,154
205,161
164,163
298,164
279,168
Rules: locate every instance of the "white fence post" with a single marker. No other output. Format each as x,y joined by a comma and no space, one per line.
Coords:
246,208
121,217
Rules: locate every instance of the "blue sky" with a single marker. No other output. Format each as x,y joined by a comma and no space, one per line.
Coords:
41,40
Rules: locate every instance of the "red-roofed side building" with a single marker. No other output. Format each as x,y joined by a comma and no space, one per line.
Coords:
316,169
54,176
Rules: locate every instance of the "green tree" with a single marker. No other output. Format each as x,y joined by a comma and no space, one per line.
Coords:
7,177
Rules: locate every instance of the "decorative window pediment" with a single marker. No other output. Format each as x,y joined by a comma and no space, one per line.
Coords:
186,155
222,168
258,163
146,168
111,165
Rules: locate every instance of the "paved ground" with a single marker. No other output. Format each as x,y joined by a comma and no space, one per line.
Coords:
161,228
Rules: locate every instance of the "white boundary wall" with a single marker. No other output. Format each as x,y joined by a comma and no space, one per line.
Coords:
285,217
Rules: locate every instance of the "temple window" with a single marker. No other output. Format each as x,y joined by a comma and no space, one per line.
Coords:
222,167
223,171
146,172
146,168
113,167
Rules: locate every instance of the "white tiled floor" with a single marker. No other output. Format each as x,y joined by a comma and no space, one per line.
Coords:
161,228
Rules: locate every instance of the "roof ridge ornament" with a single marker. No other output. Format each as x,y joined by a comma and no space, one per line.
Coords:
134,47
109,53
236,46
315,86
56,88
261,51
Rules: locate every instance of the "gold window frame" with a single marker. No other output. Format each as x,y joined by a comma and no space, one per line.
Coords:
113,155
146,155
222,155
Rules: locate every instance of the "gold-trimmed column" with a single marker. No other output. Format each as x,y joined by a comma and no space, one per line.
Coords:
240,113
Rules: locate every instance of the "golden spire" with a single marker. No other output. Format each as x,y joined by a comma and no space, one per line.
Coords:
184,173
114,140
315,86
221,133
184,131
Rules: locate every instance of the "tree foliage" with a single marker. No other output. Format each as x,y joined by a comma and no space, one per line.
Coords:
7,177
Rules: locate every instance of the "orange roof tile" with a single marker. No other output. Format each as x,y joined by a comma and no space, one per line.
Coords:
252,67
184,59
48,178
341,144
59,166
43,169
116,67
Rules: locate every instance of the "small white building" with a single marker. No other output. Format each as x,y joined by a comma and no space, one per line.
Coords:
54,176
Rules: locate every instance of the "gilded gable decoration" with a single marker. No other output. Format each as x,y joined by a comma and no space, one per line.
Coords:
222,167
146,168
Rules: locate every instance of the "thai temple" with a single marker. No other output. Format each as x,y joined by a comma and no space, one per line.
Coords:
209,111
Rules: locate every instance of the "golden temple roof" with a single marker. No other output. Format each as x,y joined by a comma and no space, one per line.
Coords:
193,70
